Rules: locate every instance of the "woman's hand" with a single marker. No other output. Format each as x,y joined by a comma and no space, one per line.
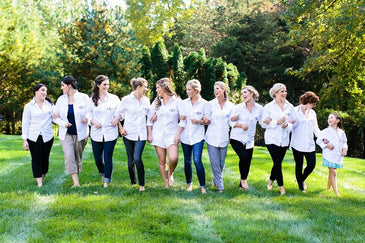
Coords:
123,132
267,120
96,124
153,118
25,145
84,120
330,146
234,118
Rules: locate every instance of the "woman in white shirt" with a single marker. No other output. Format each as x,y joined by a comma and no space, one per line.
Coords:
70,114
164,133
217,116
243,122
302,139
277,121
192,137
37,132
104,130
133,109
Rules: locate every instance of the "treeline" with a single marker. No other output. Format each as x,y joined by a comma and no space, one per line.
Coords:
307,45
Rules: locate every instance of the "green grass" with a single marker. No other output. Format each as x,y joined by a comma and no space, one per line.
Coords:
57,213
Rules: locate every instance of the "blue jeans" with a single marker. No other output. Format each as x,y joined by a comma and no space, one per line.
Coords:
103,155
196,150
134,153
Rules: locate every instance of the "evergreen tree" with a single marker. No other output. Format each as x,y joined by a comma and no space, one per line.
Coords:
159,59
178,73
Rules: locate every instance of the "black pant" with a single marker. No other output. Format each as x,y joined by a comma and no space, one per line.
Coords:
40,151
245,156
310,157
277,155
134,153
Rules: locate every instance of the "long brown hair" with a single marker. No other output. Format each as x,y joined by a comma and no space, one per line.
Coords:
167,87
96,93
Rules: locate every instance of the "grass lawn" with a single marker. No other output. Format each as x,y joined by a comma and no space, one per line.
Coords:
58,213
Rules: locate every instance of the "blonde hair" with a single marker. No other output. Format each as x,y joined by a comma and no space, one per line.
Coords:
276,88
195,84
222,85
135,82
167,88
252,90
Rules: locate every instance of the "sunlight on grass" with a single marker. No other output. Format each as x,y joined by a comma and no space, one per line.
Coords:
91,213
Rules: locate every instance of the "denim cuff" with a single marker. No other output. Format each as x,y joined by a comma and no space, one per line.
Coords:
107,180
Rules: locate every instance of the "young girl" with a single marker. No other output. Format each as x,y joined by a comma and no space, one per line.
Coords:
333,142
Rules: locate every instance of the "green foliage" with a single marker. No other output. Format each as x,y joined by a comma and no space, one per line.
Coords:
178,74
146,65
27,56
256,45
100,42
159,64
153,19
331,35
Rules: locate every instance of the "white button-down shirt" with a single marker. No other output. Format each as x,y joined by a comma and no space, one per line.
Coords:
274,133
80,105
245,117
104,113
37,121
166,125
217,132
134,113
338,139
192,133
304,129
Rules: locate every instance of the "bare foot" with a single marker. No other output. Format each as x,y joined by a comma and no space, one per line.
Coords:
282,190
244,184
189,188
106,184
171,180
141,188
203,190
75,185
304,186
269,186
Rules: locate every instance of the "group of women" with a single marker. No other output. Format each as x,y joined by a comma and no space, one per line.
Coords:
165,123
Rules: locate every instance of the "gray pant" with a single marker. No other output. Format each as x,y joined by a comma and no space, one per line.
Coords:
72,150
217,157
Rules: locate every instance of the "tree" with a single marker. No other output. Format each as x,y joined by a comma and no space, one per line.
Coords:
331,35
100,42
146,63
178,74
152,19
159,64
28,46
256,44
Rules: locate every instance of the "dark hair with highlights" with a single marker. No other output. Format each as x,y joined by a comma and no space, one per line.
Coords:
95,93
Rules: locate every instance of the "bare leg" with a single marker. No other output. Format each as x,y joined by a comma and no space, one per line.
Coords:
329,183
334,180
75,178
161,155
173,152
